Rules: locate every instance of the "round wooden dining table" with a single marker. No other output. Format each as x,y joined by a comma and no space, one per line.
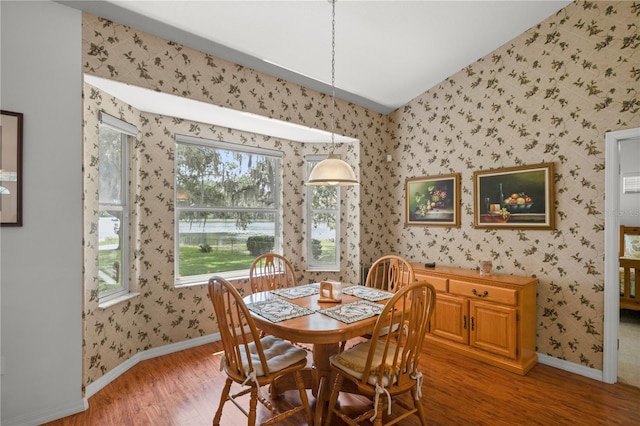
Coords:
322,331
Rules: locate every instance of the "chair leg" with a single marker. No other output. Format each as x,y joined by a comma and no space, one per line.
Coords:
253,404
333,399
223,399
378,419
418,404
303,397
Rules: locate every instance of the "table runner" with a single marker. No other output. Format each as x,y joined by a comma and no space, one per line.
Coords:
298,291
367,293
354,311
277,309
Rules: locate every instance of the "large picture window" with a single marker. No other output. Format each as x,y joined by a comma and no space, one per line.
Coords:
323,223
113,194
227,207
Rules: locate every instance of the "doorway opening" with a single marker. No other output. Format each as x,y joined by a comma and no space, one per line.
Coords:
612,241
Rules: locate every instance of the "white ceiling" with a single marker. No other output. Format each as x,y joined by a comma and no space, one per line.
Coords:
387,52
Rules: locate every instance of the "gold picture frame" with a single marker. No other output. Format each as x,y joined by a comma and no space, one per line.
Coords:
433,200
515,197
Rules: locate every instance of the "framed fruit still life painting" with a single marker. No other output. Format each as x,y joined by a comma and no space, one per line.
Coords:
514,197
433,200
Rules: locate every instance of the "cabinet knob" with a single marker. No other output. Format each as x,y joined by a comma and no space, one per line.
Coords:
484,293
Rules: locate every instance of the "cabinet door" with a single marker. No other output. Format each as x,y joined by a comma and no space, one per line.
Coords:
493,328
450,318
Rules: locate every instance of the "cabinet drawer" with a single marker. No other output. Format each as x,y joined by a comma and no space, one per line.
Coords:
440,284
488,293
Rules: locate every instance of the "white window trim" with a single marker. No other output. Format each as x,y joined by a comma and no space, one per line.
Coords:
117,124
126,130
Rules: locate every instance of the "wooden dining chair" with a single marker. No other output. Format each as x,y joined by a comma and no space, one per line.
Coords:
390,273
271,271
252,361
386,366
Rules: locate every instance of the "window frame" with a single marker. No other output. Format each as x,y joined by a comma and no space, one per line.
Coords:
310,211
127,132
276,210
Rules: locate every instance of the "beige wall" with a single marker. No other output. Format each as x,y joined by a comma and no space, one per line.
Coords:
162,313
547,96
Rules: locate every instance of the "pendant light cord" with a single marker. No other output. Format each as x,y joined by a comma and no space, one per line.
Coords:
333,72
332,171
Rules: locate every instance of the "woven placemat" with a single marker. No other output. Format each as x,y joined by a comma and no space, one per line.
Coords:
367,293
277,309
354,311
298,291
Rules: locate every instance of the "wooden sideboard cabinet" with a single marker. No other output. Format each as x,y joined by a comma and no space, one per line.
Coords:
491,318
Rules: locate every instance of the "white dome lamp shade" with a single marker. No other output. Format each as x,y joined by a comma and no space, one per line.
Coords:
332,171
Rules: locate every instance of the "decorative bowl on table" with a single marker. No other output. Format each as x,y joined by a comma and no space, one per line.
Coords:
517,208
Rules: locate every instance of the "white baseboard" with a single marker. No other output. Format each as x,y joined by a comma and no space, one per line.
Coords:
82,404
571,367
192,343
103,381
39,418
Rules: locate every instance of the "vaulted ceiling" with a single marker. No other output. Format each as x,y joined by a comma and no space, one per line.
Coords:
386,52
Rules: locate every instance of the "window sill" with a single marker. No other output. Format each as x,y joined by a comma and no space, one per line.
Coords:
115,301
321,269
190,284
199,281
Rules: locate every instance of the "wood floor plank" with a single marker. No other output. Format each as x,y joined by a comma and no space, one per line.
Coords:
183,389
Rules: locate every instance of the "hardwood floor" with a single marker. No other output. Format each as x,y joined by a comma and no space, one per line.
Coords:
629,347
183,389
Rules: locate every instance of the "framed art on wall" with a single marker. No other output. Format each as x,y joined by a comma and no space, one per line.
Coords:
433,200
10,168
515,197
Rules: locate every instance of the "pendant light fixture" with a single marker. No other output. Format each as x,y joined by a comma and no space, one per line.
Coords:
332,170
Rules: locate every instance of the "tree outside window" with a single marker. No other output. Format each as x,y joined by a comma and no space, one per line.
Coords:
227,207
323,224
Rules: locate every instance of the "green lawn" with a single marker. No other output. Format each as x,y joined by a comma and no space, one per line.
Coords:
107,279
193,261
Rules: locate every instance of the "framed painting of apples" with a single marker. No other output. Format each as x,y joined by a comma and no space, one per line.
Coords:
515,197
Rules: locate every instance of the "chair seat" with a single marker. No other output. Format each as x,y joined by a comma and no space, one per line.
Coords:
353,360
278,353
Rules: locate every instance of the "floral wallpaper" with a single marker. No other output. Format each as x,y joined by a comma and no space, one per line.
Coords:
163,313
547,96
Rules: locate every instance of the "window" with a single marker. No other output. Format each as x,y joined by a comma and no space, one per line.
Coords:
631,183
227,207
323,223
113,210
